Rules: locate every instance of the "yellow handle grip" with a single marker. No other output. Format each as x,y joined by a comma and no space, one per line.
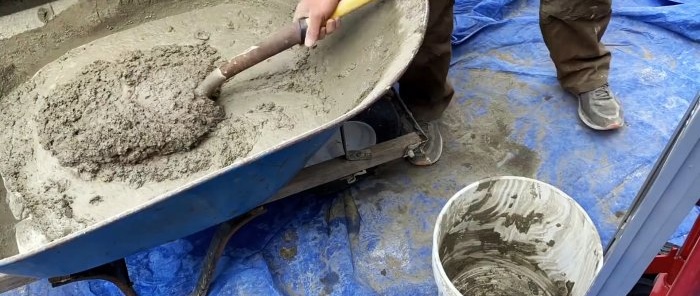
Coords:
347,6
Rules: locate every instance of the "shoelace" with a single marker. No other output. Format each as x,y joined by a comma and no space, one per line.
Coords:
601,93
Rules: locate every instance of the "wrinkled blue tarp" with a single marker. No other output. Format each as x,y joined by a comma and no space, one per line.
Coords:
376,238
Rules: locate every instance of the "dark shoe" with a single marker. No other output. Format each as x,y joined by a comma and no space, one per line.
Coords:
600,110
431,151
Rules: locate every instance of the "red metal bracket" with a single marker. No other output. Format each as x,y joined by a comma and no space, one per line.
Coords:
678,272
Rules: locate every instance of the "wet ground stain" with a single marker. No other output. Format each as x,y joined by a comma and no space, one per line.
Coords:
329,281
478,144
289,251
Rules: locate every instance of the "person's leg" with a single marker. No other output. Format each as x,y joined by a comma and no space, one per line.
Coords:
424,86
572,30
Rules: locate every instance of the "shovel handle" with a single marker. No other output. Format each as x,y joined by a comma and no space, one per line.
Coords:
285,38
345,7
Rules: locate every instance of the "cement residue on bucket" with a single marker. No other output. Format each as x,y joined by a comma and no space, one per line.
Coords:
498,275
497,267
514,236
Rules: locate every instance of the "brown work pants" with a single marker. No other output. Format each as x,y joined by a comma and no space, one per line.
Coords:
572,30
424,86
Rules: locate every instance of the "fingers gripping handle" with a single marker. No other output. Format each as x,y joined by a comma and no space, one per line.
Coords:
344,8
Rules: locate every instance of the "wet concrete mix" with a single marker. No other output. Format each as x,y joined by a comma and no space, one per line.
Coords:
112,123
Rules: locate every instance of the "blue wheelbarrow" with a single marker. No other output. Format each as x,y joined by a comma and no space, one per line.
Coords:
225,194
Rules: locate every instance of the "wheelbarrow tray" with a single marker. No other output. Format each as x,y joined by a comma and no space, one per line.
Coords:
207,201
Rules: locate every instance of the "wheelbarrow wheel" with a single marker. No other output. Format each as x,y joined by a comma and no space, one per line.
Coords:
385,119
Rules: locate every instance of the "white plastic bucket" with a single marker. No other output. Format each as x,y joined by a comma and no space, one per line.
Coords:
514,236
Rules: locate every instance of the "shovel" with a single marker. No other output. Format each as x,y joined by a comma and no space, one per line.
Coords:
285,38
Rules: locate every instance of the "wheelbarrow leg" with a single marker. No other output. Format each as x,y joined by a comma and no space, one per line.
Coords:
115,272
223,234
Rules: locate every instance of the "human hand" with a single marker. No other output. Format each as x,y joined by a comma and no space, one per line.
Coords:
318,13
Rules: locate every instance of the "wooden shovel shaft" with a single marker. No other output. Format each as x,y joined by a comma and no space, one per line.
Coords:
287,37
284,39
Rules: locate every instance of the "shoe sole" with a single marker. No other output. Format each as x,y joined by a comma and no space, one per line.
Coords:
429,162
590,124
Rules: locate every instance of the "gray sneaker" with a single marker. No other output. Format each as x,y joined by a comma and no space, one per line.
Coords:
600,110
432,149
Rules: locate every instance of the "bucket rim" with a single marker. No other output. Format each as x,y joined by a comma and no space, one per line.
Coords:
436,255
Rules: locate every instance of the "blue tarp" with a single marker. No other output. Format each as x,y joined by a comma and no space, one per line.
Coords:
375,239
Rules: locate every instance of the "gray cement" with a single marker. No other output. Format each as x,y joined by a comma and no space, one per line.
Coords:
107,123
113,115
